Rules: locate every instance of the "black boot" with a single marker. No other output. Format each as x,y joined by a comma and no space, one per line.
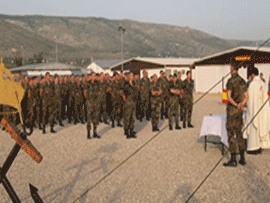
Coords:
190,125
43,130
60,123
133,134
170,126
177,127
184,124
242,160
88,134
232,162
119,124
96,135
155,129
127,134
112,123
52,130
40,127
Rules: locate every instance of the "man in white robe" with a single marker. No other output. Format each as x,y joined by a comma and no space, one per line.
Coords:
257,133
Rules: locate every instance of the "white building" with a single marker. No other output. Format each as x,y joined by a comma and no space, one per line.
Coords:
155,65
211,69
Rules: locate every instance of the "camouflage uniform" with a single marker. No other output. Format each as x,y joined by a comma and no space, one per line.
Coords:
155,104
93,104
187,100
181,102
57,100
103,89
109,102
137,99
174,104
164,84
47,103
32,104
145,99
78,107
234,123
117,91
71,101
84,86
65,99
129,108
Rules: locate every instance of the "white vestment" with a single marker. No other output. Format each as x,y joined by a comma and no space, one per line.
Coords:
257,132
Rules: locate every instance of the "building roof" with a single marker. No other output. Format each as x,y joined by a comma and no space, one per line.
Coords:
160,61
259,55
45,66
106,64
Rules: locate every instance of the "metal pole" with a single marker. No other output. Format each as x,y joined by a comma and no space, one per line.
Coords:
56,50
122,48
11,192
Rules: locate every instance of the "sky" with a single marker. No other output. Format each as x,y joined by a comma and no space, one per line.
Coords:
228,19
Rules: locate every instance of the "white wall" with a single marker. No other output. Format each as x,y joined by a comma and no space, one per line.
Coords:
207,76
151,72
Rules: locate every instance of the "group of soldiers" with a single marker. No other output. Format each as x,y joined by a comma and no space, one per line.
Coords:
96,98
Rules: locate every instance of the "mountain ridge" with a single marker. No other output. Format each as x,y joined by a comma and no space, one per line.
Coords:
82,38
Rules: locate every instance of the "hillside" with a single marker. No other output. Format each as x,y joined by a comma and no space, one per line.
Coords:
83,38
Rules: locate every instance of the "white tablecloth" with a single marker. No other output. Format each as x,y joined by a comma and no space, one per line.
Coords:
215,125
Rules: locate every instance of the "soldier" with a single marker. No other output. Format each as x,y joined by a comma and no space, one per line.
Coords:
156,91
164,84
144,93
109,104
129,98
180,84
25,85
117,91
65,97
237,97
33,103
103,90
188,85
93,105
170,78
29,92
138,98
47,94
174,103
71,100
84,86
78,107
57,100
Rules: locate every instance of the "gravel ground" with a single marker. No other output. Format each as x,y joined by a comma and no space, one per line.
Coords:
168,169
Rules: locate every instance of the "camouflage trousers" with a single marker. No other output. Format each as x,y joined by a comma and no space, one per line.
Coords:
181,103
155,111
129,114
48,112
144,106
78,109
174,110
116,112
103,109
187,110
92,115
58,110
234,125
164,106
34,113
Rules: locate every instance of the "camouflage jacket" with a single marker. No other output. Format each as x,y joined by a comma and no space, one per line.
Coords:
188,89
145,87
238,87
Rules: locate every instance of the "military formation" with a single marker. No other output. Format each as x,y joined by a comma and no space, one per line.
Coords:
118,100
